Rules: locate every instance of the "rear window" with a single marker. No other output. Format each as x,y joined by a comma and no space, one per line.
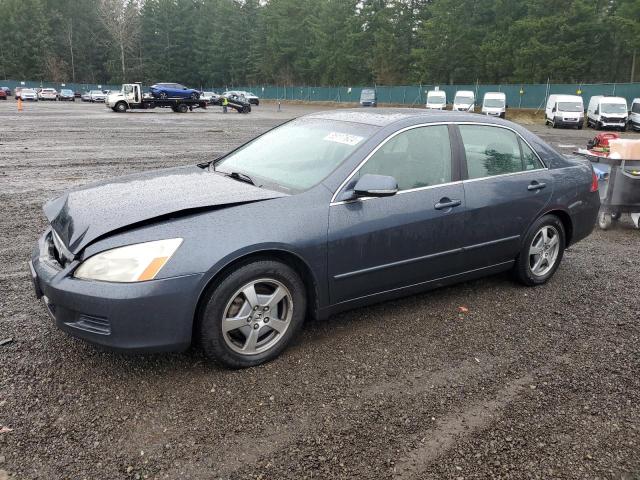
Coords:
494,151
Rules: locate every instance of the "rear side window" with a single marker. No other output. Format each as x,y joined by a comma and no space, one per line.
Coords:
419,157
494,151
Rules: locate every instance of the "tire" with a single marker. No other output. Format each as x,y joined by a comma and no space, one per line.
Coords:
616,216
598,125
525,268
163,95
246,109
182,108
605,220
195,96
226,300
120,107
580,127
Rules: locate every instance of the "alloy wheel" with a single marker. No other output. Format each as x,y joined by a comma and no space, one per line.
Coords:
544,249
257,316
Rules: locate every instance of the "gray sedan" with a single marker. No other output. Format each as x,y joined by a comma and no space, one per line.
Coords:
325,213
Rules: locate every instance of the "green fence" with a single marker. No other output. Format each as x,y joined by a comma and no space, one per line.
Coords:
518,96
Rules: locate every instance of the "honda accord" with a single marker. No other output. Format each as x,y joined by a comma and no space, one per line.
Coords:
327,212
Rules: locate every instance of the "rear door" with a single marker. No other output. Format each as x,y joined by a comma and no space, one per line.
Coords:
385,244
506,187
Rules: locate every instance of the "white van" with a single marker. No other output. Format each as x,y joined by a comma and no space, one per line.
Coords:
494,104
564,111
634,114
464,101
436,99
607,112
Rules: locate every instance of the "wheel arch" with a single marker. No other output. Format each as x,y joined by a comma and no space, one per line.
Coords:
287,257
567,223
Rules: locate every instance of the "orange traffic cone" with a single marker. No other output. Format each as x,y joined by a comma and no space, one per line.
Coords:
19,104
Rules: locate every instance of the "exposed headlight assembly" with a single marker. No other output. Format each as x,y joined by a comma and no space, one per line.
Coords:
133,263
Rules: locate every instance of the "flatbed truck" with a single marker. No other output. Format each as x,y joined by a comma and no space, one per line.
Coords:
131,96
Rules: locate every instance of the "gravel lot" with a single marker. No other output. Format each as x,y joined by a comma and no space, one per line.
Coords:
529,383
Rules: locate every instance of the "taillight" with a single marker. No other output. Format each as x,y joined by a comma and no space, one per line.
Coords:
594,182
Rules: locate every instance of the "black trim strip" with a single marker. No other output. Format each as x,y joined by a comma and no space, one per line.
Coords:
341,276
435,280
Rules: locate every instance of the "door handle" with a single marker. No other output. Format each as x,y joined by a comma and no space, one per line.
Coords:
536,186
446,203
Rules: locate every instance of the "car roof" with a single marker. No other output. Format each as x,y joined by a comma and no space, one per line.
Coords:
381,117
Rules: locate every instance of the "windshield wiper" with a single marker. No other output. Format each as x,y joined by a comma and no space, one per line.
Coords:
242,177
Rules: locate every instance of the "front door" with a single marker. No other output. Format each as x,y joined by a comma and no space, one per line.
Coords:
383,244
506,188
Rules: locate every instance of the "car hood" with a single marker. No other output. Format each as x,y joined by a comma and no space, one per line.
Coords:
83,215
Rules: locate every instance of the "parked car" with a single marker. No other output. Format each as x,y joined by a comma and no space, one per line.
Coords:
607,112
6,90
48,94
173,90
368,98
210,97
97,96
347,213
77,94
564,111
436,100
252,98
86,97
464,101
3,95
634,114
29,94
495,104
66,94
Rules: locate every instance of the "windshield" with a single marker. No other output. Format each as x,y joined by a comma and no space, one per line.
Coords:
66,92
465,100
493,102
96,92
613,108
368,95
570,107
435,98
297,155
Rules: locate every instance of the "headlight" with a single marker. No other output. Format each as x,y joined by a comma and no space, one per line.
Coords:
133,263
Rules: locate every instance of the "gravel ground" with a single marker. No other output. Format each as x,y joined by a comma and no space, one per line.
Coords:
529,383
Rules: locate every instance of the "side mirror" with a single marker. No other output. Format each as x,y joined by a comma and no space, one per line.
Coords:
371,185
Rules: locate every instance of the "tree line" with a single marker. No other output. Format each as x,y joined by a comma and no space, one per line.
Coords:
320,42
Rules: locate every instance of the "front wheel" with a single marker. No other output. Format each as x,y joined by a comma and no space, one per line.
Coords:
542,251
252,315
121,107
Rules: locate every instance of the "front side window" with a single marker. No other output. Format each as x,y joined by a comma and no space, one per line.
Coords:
297,155
495,151
419,157
636,107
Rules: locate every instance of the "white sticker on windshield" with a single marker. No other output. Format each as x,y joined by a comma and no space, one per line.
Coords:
343,138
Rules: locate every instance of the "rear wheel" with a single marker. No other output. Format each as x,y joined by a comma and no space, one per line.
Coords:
182,108
252,314
195,96
542,251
